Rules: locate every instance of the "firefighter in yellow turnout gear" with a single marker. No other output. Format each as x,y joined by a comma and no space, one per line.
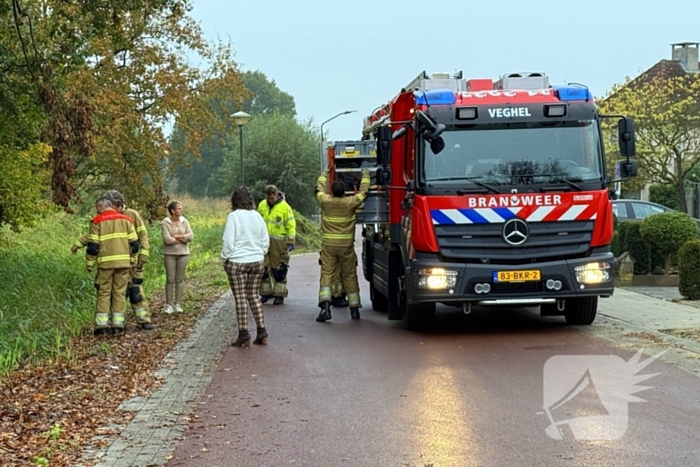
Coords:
135,293
282,228
113,248
337,247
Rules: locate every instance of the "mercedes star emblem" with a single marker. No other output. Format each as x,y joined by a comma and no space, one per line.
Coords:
515,232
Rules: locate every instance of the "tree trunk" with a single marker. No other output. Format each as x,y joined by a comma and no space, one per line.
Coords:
682,202
667,265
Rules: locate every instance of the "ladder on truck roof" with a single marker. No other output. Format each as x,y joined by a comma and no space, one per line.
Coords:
438,81
423,81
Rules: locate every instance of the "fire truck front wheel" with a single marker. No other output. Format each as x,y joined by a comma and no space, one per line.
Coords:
581,311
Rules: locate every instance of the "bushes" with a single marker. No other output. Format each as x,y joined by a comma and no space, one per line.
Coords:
689,270
631,241
667,232
308,233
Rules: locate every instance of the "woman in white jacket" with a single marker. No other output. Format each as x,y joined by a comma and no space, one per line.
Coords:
245,245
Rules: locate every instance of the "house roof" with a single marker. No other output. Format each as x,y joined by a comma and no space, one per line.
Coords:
663,69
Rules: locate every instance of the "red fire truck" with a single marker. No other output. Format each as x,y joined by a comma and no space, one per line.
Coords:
488,194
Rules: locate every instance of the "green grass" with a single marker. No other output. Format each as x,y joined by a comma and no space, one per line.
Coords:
47,297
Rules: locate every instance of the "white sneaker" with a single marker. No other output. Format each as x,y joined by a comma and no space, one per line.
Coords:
178,308
169,309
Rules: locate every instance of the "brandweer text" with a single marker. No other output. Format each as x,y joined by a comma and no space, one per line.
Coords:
512,201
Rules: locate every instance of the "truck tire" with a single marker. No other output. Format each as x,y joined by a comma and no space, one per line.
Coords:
581,311
418,316
379,302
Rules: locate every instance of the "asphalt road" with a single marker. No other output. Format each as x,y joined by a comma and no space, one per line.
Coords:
469,393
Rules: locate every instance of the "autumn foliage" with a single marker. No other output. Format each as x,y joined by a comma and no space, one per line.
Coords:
87,89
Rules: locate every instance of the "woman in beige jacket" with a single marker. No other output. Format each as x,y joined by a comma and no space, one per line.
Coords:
176,237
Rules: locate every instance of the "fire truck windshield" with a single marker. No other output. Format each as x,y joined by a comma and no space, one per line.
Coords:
515,154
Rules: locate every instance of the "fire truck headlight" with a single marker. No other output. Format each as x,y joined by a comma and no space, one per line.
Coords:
593,273
437,278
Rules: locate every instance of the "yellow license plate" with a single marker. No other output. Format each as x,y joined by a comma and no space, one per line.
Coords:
517,276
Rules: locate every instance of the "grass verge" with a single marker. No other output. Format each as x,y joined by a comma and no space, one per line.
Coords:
60,384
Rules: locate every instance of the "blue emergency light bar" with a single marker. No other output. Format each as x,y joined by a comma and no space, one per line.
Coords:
572,93
436,97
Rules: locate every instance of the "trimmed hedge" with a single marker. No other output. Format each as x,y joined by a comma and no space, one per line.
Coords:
667,232
689,270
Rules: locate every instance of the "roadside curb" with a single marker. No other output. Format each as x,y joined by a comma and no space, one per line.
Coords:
160,420
685,344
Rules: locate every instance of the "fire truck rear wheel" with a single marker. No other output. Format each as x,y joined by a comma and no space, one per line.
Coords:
581,311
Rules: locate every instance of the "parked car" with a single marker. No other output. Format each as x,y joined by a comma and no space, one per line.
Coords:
636,210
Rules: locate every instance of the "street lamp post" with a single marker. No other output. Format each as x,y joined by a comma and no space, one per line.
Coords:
334,117
241,118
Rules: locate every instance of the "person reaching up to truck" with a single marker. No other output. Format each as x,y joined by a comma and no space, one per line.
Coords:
337,245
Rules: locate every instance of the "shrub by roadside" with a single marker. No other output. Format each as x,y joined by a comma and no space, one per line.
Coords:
689,270
666,233
630,240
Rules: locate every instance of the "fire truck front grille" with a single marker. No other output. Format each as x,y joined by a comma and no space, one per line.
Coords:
547,241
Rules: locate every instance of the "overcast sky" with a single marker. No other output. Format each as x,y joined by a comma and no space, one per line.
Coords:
336,55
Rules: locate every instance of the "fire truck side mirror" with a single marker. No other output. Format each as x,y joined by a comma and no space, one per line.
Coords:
437,145
625,131
383,145
628,169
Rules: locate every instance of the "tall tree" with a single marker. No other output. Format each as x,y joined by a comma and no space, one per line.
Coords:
279,150
108,77
198,175
667,120
267,97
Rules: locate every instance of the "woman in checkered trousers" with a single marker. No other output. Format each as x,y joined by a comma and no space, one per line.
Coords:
244,248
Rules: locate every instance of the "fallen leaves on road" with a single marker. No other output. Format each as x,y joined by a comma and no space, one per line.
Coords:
50,413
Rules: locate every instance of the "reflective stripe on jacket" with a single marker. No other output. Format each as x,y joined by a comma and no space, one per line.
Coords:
279,219
338,214
112,241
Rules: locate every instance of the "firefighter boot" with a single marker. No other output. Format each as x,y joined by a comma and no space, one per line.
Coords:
278,301
243,339
325,314
265,298
101,331
339,302
146,326
355,313
261,337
